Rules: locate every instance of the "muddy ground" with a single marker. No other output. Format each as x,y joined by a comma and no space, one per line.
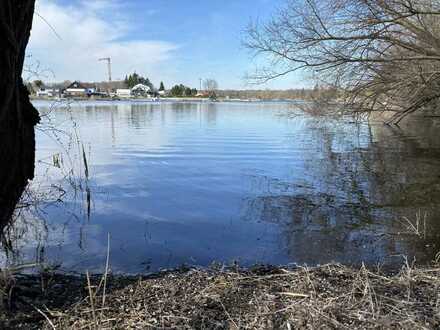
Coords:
325,297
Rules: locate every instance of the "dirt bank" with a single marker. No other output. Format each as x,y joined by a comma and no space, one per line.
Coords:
329,297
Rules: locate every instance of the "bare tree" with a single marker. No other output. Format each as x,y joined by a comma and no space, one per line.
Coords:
383,55
17,115
211,87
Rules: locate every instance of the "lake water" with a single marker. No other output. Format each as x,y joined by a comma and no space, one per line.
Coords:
197,183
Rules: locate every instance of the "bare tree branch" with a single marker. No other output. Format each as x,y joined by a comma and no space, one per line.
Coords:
381,55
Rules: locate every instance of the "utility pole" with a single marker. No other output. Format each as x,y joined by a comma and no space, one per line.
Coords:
109,67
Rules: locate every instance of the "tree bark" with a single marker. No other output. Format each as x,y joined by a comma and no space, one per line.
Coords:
17,115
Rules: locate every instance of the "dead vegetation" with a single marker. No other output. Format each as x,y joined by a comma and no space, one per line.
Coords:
328,297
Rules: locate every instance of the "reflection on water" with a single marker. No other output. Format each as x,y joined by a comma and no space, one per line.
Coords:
193,183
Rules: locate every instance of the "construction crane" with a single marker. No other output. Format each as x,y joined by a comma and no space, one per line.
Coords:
109,66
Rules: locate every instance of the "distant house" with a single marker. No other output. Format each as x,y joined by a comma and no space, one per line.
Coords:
123,92
75,89
79,89
43,92
110,86
202,94
141,90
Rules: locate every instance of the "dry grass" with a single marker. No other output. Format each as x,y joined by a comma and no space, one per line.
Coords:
327,297
417,227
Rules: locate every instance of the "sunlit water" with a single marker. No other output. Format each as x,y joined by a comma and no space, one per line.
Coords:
197,183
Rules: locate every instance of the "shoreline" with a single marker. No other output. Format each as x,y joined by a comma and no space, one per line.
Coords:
262,297
166,99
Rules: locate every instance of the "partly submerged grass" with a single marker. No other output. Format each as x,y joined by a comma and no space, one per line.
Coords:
328,297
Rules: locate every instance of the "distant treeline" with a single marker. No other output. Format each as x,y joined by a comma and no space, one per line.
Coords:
182,90
185,91
303,94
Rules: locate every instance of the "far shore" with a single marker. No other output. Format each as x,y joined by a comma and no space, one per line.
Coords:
172,99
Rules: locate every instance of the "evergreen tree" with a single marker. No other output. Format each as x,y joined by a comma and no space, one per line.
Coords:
135,79
162,86
147,82
39,84
182,90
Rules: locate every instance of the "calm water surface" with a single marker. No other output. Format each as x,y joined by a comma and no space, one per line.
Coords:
194,183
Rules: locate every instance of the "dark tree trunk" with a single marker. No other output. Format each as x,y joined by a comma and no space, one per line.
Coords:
17,115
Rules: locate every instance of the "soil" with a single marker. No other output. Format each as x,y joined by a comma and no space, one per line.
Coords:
264,297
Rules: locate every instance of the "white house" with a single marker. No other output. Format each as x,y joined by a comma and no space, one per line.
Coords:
122,92
47,92
79,89
140,90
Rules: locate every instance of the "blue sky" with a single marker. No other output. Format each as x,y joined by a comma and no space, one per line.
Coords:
176,41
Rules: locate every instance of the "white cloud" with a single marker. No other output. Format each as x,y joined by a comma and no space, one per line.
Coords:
85,36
